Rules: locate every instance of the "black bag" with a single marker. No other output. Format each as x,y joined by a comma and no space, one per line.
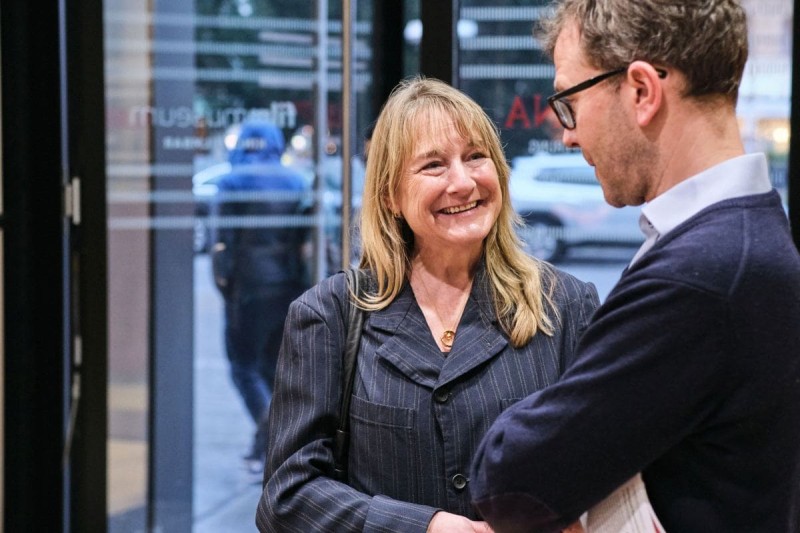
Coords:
355,321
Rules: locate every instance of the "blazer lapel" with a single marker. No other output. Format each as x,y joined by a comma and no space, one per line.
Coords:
409,346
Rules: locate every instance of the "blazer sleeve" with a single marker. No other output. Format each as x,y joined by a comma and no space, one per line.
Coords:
577,301
299,495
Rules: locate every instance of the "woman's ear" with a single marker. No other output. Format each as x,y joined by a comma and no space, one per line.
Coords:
646,81
393,206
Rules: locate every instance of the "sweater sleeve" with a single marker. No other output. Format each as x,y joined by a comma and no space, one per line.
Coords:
635,389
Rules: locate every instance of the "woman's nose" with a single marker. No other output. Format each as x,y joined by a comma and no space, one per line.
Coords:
460,176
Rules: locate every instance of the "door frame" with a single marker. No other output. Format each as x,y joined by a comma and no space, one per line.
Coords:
33,264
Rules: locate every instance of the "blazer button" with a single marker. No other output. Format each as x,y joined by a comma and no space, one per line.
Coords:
459,482
441,396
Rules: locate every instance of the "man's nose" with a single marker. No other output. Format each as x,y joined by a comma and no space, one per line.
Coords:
569,138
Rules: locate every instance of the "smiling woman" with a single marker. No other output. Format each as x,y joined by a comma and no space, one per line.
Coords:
461,324
450,193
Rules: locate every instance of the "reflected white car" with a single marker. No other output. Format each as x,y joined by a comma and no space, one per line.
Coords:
563,206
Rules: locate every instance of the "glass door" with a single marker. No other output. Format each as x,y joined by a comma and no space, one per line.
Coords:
224,131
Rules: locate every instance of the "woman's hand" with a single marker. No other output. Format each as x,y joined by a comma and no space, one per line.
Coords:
577,527
443,522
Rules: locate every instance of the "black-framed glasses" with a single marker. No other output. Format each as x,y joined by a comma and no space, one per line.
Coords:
564,111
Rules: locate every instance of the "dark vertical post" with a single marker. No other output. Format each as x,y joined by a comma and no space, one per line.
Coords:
387,51
439,47
171,292
88,306
793,178
34,317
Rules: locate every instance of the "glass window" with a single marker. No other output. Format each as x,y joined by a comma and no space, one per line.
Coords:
224,128
765,93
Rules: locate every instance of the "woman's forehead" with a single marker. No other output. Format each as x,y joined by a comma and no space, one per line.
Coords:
434,130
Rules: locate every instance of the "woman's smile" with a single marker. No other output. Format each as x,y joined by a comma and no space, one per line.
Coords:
454,210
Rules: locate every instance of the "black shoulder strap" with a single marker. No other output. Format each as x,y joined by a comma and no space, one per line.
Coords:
355,320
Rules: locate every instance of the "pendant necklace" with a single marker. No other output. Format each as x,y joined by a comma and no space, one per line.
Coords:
449,335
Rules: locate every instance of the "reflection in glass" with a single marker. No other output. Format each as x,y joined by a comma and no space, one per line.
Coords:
183,79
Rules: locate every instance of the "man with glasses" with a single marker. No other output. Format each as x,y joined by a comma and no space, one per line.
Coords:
690,371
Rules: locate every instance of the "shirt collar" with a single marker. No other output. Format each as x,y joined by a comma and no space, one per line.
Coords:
741,176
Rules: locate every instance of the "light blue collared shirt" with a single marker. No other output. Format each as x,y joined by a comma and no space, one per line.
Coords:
744,175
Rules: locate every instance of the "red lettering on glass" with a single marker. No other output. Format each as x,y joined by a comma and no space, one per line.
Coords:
518,116
517,113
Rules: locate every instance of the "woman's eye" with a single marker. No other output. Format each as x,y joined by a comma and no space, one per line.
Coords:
432,165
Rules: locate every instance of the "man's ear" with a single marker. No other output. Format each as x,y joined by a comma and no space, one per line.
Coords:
649,96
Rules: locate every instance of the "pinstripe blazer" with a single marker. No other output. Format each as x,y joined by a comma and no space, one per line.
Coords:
416,416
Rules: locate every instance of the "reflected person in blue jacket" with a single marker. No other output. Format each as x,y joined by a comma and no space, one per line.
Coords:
257,258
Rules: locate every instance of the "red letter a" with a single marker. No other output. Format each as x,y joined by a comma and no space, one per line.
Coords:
517,113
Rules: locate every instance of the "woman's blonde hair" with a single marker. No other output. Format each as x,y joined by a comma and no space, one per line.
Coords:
521,286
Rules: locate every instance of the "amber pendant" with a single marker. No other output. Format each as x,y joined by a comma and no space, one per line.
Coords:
447,338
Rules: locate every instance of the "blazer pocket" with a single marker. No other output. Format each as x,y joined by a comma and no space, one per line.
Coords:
383,450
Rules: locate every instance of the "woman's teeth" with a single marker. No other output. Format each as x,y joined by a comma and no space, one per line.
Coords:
459,208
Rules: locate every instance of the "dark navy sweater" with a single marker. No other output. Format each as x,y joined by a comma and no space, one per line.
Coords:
688,373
